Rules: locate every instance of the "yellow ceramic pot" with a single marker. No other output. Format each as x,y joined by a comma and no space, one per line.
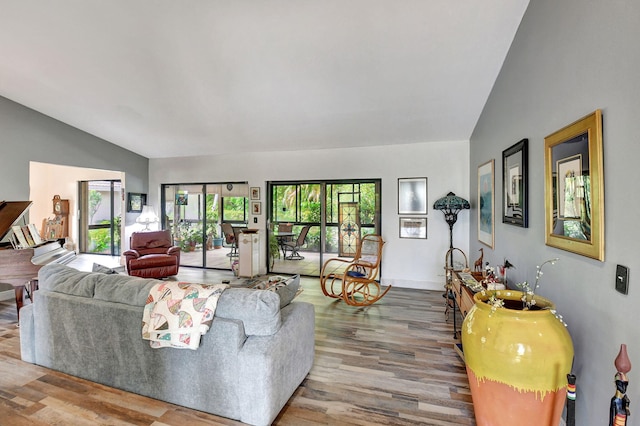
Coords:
517,361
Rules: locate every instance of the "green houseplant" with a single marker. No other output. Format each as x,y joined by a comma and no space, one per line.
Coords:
274,248
190,238
214,240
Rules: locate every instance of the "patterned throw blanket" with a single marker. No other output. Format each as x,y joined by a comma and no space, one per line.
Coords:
177,314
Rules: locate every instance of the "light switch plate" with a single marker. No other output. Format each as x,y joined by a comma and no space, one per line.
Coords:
622,279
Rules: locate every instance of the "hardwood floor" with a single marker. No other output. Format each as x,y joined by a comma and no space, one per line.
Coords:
389,364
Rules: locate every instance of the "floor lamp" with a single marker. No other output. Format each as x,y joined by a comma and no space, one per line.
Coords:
451,205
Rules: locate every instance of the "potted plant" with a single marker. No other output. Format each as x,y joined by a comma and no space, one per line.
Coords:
518,353
214,240
274,249
190,238
195,236
213,236
180,235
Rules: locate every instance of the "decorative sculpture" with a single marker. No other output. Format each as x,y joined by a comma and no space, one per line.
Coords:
477,266
502,271
620,402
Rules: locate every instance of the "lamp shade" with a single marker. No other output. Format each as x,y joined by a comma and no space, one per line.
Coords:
147,217
451,203
451,206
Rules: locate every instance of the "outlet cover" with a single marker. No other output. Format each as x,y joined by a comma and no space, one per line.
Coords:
622,279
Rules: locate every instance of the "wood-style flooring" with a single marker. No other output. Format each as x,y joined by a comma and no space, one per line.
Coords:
389,364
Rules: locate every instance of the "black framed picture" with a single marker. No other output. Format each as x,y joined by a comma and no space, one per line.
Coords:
412,195
135,201
515,184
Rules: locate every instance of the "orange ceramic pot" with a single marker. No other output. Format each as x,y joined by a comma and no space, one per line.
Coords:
517,361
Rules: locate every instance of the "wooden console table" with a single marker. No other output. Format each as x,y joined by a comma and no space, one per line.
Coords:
461,286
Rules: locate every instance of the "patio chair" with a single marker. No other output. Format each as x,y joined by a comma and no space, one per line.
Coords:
230,238
355,281
284,227
296,244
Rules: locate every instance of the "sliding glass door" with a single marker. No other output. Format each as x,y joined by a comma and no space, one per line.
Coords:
336,214
195,212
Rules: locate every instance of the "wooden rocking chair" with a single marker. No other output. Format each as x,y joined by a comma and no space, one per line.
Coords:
354,281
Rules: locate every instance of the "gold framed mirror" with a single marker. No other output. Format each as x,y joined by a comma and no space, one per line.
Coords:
574,187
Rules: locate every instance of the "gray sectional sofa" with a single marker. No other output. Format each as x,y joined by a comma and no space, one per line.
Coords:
247,366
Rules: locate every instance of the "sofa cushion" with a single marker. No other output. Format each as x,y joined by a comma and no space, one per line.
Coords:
258,310
123,289
116,288
103,269
152,261
285,288
63,279
150,240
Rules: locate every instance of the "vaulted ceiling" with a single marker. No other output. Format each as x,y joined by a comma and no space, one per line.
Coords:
166,78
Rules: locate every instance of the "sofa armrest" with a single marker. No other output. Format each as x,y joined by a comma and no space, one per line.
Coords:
27,335
275,366
131,254
174,250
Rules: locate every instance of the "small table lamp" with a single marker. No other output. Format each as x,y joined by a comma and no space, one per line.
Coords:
147,217
451,206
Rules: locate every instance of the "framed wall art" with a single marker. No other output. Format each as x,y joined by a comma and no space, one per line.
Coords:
256,208
486,196
574,189
515,184
135,201
182,198
413,227
412,195
255,192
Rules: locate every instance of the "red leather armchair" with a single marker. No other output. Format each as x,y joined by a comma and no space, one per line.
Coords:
152,255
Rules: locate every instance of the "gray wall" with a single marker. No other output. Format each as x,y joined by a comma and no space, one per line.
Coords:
569,58
26,135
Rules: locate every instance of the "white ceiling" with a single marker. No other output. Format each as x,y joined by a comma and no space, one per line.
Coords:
166,78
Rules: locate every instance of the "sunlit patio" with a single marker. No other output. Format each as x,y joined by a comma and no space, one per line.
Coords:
218,259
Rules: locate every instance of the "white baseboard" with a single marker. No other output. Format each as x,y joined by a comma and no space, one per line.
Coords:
419,285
